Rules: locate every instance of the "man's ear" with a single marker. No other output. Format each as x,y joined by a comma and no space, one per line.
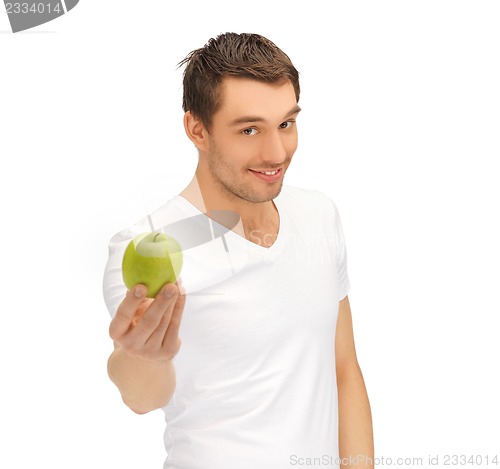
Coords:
196,131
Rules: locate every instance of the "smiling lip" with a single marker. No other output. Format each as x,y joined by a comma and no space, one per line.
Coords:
268,177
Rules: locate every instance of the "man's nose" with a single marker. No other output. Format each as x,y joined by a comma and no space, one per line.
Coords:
273,150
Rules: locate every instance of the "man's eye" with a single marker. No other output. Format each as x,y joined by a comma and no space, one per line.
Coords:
286,125
250,131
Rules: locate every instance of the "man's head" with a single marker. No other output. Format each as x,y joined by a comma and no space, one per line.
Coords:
231,55
240,102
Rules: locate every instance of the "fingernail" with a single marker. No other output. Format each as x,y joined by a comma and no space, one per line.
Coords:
168,292
139,291
182,290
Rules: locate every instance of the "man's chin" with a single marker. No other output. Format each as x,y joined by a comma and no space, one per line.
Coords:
270,195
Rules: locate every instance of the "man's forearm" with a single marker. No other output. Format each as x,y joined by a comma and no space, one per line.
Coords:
145,385
355,420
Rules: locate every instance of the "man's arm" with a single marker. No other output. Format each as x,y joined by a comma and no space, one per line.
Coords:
145,385
355,420
146,338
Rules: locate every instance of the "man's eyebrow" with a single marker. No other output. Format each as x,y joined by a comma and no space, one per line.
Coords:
250,119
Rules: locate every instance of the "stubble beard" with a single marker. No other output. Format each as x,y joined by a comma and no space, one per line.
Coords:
231,183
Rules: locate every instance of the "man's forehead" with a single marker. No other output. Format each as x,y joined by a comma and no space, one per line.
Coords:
248,97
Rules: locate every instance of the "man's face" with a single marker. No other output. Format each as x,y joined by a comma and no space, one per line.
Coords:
253,131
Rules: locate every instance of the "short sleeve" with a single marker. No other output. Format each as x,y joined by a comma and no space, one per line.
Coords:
113,287
343,277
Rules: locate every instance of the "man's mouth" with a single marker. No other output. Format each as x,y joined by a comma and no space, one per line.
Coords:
268,175
268,172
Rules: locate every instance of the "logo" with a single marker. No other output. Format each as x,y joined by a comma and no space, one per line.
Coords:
209,258
28,14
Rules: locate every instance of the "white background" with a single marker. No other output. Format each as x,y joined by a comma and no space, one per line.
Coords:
400,126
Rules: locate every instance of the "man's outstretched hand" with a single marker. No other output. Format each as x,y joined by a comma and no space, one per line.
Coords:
148,328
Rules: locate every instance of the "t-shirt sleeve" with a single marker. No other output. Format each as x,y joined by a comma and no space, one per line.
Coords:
343,277
113,287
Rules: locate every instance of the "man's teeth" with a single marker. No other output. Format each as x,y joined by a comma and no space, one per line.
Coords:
269,173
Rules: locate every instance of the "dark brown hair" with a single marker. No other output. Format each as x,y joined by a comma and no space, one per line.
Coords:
230,54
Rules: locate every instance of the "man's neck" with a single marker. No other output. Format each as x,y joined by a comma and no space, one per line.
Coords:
255,218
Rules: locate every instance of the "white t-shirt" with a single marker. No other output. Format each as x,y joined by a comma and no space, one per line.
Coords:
255,374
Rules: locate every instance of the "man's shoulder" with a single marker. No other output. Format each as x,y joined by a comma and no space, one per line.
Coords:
174,209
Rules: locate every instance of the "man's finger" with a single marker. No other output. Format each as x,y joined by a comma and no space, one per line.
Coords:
152,317
156,338
126,311
175,322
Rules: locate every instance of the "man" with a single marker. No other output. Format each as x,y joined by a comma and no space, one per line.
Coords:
266,375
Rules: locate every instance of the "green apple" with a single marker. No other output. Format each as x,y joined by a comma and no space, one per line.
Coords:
152,259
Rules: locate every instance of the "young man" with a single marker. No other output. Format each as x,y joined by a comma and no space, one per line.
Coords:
266,375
